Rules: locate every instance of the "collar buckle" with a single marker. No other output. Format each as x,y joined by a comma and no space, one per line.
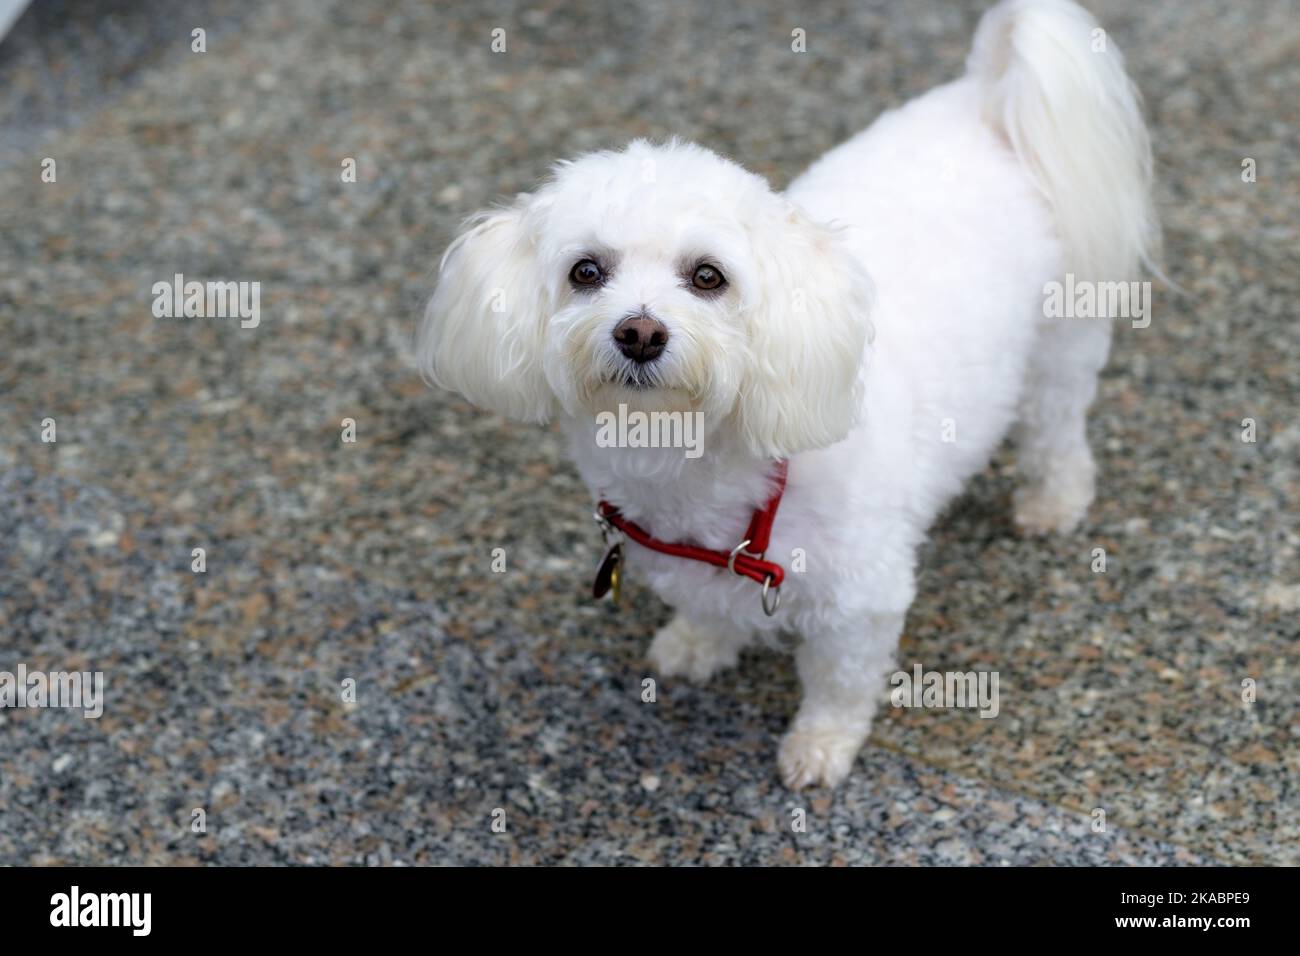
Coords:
740,549
770,604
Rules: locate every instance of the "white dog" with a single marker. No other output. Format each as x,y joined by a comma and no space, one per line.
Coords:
880,326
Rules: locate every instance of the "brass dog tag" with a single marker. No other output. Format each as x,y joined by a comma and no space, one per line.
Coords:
610,574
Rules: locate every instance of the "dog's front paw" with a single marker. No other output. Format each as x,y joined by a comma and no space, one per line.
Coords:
683,649
818,756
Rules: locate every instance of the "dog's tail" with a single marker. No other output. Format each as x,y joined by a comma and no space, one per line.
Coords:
1054,83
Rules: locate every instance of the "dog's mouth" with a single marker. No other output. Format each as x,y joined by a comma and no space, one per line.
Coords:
639,389
635,377
632,381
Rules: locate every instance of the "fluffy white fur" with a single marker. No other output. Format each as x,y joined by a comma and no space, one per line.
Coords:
894,291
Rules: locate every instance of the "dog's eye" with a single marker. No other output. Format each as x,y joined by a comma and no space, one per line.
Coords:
586,273
708,279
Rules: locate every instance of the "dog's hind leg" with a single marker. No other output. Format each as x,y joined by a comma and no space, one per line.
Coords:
1058,475
1072,116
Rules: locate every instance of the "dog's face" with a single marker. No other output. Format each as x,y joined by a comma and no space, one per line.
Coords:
662,277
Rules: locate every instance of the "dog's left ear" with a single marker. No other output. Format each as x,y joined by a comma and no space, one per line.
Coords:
482,331
809,325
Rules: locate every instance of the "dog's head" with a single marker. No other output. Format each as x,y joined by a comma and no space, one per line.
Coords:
662,277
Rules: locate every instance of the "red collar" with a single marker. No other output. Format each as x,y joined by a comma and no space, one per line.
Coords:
745,559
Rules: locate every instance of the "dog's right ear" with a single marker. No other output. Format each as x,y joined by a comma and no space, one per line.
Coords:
483,328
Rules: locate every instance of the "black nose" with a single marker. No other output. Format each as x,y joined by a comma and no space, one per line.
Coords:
641,338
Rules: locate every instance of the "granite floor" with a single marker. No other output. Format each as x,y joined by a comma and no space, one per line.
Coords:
481,696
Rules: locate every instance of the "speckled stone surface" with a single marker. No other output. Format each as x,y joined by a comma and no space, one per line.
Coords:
476,691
